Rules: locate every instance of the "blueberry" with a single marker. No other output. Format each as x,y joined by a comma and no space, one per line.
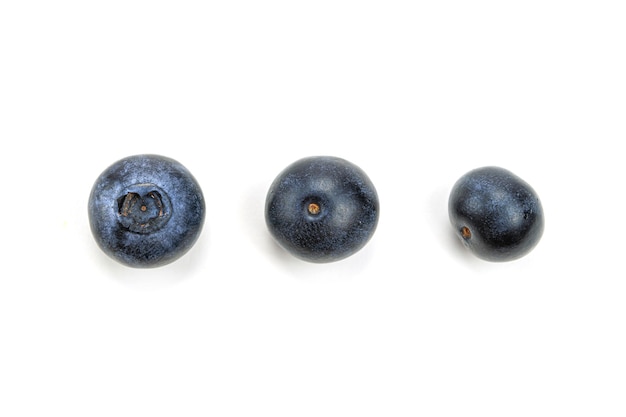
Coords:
496,214
146,211
322,209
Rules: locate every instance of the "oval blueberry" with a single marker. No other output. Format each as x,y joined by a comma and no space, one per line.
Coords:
496,214
146,210
322,209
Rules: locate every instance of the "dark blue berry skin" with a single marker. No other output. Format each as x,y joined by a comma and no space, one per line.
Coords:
146,211
322,209
496,214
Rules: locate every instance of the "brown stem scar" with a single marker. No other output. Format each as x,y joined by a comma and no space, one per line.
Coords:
314,208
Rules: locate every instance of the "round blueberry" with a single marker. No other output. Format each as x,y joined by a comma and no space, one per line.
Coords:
496,214
146,211
322,209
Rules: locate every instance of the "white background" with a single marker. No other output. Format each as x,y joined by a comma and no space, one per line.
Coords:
416,94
